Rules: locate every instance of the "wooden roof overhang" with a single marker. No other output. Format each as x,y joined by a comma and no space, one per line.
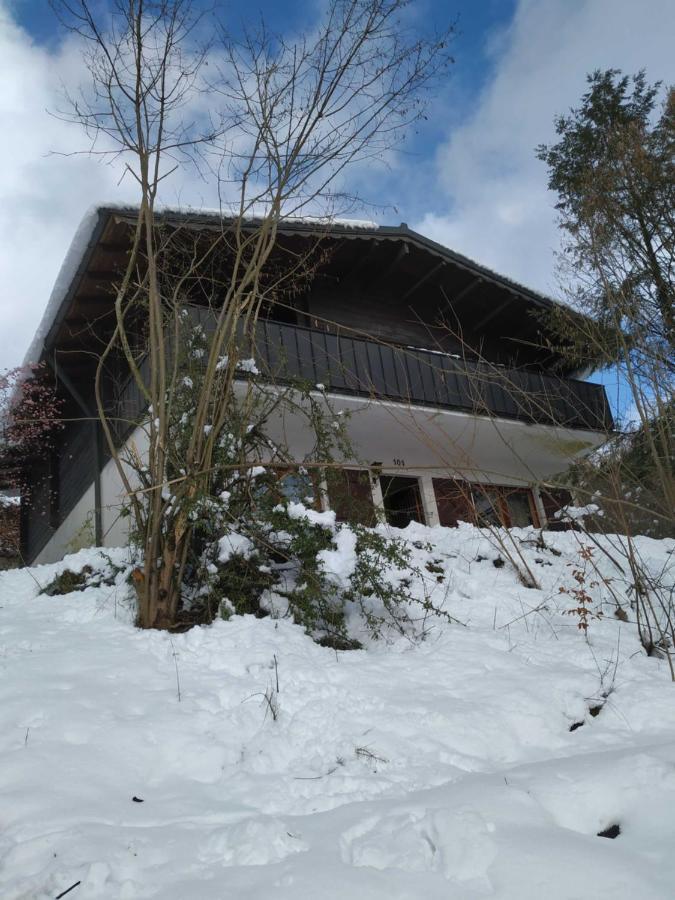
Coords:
395,258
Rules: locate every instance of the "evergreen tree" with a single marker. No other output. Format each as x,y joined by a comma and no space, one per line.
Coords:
613,169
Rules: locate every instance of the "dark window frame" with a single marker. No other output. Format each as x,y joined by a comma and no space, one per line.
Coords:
469,490
415,486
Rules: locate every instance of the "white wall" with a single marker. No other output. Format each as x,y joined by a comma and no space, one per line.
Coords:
73,533
113,496
403,440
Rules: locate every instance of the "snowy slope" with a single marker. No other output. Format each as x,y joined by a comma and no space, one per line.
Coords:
444,769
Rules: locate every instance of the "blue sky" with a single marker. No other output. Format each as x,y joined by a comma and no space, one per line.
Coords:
475,18
469,179
476,21
476,24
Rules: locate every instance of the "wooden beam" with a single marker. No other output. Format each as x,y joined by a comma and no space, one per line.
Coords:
77,346
90,308
87,302
494,312
103,275
464,293
84,329
365,260
91,312
113,247
84,368
423,280
401,253
92,325
455,301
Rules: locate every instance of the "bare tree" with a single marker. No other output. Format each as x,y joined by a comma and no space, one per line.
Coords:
290,119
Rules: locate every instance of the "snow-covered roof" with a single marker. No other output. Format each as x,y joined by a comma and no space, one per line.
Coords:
69,267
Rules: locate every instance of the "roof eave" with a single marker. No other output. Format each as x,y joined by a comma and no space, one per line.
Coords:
94,222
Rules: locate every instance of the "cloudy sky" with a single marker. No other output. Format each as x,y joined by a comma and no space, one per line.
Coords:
470,180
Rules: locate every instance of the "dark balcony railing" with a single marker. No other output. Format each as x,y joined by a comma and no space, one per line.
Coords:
424,377
349,365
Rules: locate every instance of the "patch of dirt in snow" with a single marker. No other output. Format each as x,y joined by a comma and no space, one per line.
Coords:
443,768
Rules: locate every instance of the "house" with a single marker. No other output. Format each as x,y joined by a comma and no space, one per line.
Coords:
458,410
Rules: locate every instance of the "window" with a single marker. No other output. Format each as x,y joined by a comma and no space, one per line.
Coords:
520,507
402,500
510,507
483,504
488,503
287,484
298,486
554,500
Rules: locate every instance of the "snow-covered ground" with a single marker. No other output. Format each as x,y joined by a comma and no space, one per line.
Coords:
442,769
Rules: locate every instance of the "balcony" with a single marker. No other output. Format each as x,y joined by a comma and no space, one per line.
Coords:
375,370
354,366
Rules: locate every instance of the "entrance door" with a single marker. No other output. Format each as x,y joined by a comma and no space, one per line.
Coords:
402,500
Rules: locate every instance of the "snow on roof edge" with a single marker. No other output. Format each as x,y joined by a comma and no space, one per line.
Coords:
64,279
225,213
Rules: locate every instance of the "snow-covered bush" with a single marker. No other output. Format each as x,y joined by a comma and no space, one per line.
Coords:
282,557
258,540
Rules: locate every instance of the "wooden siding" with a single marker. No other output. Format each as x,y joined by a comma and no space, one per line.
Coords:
76,465
424,377
357,313
36,527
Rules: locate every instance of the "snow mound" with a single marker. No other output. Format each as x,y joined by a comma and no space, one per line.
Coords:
244,760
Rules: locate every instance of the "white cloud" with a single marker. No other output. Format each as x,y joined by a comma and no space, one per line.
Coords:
44,196
500,211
